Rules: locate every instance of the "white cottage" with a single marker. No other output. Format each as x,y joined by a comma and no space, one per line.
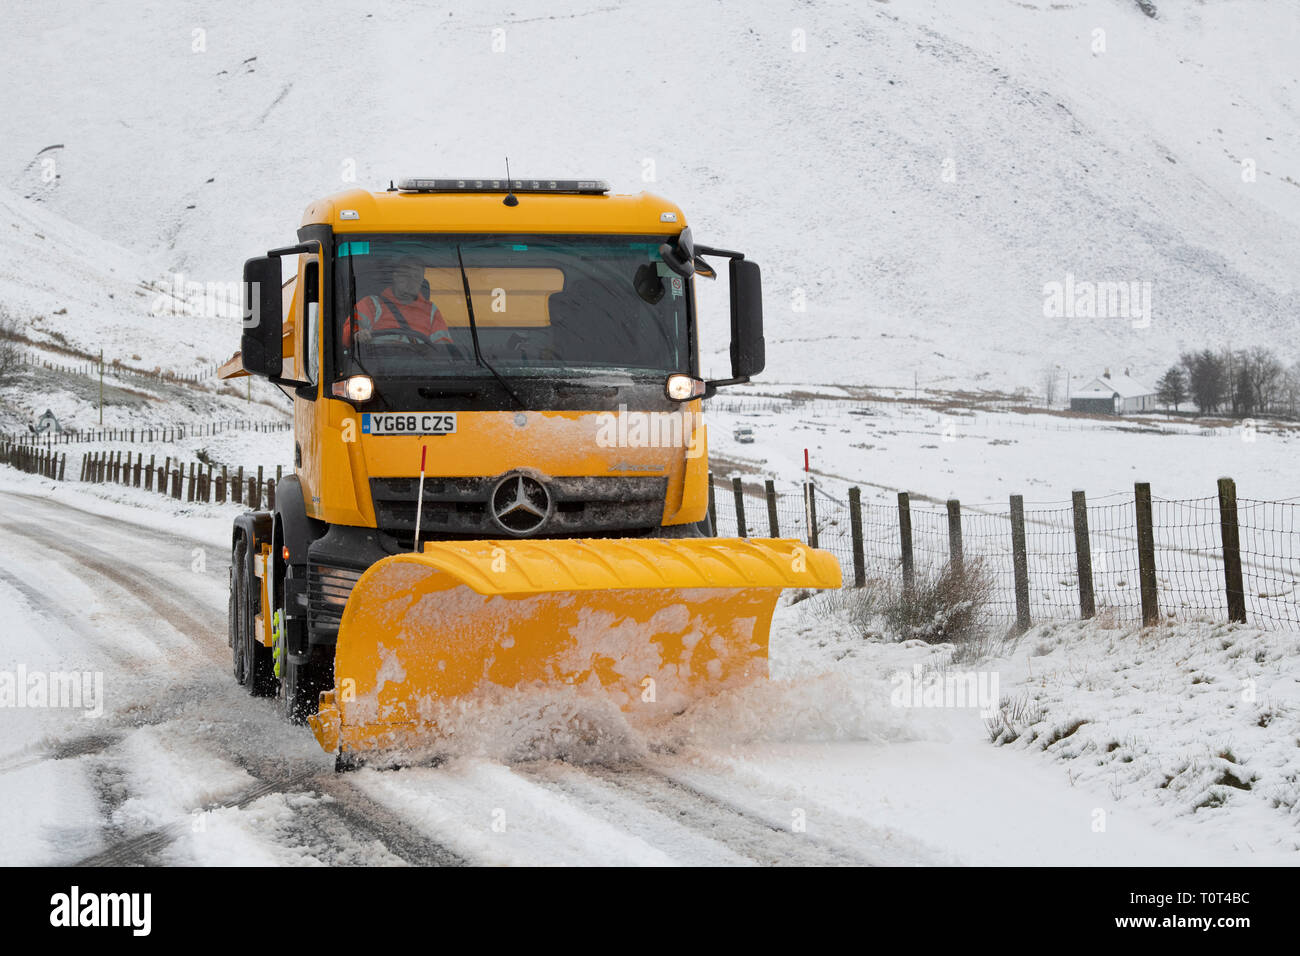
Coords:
1114,395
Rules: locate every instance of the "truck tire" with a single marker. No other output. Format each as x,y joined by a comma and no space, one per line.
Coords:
235,611
254,667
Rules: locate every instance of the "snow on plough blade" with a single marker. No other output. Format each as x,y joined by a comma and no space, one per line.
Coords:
651,623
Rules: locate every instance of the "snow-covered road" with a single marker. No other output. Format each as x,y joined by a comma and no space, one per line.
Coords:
183,767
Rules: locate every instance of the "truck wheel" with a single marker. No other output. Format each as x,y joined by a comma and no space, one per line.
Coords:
234,628
253,665
235,611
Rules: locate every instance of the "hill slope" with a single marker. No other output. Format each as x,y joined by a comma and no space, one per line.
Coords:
916,173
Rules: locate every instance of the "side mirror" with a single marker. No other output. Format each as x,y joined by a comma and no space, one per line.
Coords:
681,256
748,350
261,346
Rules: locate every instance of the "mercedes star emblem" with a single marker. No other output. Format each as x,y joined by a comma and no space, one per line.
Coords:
520,504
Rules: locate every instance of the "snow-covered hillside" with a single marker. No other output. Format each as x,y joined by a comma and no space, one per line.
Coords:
912,173
71,289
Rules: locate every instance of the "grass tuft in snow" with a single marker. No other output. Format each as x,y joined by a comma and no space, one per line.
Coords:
946,606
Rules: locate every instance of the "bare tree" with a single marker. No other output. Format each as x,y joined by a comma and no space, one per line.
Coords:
1263,374
1237,388
10,353
1051,381
1291,390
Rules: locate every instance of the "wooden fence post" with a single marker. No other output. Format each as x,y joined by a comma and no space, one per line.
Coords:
855,528
1020,562
1083,557
955,557
1231,535
738,492
1146,542
769,492
905,543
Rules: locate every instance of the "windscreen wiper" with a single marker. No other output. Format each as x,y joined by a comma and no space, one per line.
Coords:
473,333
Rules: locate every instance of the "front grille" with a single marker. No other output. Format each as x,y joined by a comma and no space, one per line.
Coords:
459,507
328,590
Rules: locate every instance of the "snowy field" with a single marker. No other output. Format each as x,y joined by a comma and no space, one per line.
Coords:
941,448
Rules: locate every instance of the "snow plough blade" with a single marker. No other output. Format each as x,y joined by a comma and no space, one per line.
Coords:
650,623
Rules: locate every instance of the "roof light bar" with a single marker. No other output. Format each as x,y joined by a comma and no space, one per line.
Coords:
582,187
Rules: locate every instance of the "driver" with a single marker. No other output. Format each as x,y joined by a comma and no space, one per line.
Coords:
403,306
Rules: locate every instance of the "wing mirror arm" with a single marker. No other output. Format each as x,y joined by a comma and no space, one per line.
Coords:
747,345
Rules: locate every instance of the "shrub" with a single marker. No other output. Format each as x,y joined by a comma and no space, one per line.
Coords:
10,355
943,607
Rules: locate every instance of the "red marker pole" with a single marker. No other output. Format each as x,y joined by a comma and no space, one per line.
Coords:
419,502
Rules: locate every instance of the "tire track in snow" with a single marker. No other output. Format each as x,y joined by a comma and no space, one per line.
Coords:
315,827
107,566
62,533
58,612
745,834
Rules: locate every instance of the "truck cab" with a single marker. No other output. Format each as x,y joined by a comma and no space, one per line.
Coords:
479,359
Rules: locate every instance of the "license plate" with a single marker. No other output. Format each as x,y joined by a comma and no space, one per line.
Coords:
408,423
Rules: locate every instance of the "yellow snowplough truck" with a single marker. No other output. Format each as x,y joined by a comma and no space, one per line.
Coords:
500,470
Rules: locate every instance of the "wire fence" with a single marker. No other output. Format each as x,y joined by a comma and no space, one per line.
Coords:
1215,558
48,437
1270,553
1132,558
88,367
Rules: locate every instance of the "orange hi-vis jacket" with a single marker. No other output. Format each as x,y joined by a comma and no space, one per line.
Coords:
386,311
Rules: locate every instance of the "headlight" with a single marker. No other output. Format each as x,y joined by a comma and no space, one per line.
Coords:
358,388
681,388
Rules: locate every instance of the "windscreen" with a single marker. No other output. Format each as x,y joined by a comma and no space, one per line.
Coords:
541,306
